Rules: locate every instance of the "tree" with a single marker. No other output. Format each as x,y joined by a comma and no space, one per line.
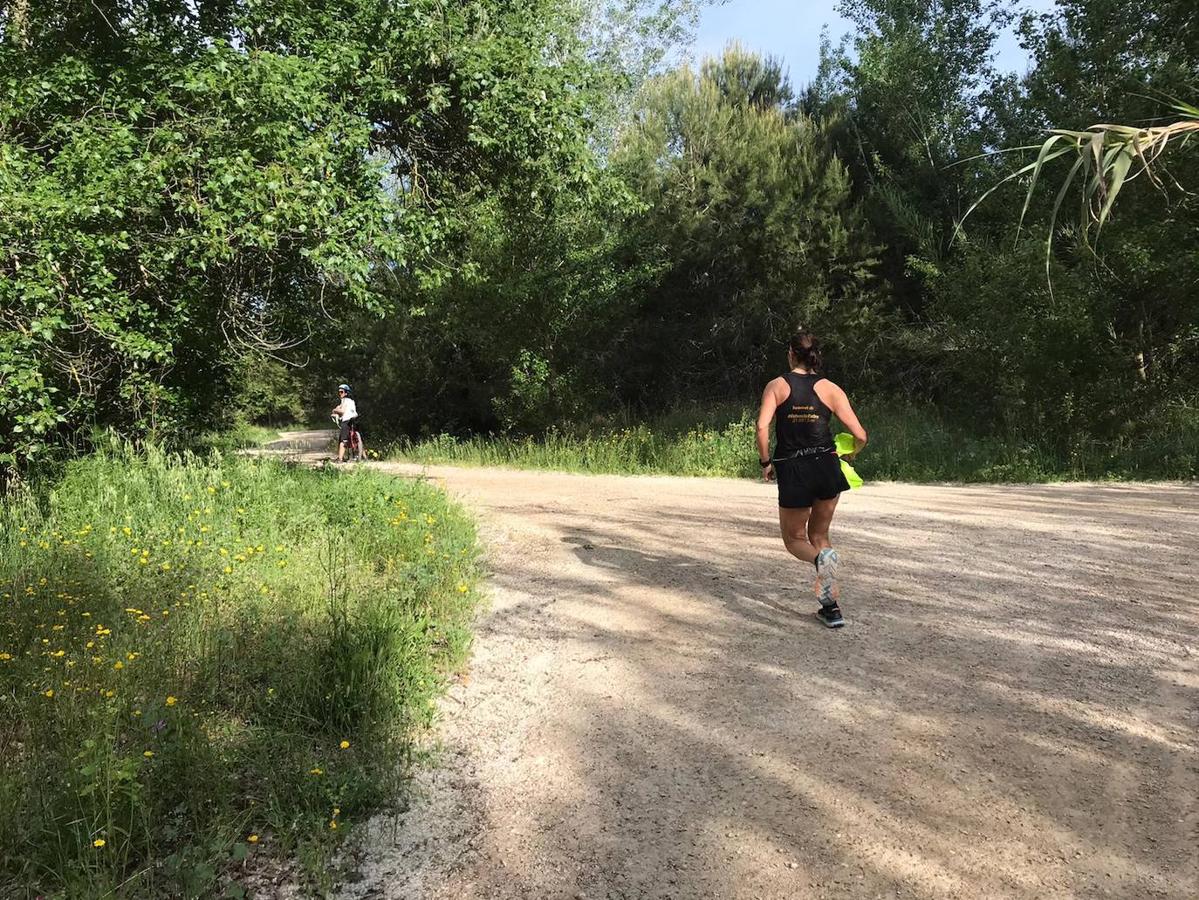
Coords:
504,336
908,99
1120,308
751,220
183,181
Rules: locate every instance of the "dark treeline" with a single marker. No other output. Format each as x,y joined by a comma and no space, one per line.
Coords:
747,206
563,229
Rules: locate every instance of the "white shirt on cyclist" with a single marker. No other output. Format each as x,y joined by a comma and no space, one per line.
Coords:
349,409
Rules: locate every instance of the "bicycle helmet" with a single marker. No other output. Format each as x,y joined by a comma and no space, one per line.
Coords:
345,387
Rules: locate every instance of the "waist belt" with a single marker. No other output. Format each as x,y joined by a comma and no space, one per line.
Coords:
803,452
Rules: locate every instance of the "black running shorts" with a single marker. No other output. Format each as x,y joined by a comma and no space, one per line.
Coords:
807,478
343,431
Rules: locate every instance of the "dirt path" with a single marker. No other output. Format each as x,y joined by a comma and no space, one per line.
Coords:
653,711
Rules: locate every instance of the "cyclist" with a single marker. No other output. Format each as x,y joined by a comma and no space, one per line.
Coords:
347,415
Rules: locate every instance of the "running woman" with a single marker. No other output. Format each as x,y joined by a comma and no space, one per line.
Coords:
805,462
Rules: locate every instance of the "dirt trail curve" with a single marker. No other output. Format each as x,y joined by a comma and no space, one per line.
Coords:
653,711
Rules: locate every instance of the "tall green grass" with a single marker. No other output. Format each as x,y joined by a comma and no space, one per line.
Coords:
639,449
908,442
208,662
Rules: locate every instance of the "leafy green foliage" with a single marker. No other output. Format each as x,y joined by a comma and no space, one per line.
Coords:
517,216
182,182
750,220
1101,349
188,643
909,98
908,442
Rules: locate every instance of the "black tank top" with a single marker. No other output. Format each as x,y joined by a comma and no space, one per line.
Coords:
801,421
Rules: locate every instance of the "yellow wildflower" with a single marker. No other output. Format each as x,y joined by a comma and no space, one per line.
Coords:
149,754
99,842
345,745
253,839
171,701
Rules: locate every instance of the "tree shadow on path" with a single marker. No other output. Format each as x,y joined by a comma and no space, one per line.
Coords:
1023,725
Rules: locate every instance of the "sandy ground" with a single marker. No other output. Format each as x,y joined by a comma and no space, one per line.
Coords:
653,711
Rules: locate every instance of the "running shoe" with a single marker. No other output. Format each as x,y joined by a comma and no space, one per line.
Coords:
827,590
830,615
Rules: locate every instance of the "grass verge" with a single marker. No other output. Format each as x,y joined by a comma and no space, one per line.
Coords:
209,663
907,443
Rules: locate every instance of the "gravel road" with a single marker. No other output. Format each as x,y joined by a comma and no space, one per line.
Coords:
653,711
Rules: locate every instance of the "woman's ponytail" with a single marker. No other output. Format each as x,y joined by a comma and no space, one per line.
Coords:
807,351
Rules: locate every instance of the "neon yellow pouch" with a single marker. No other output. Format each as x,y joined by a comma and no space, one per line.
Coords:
844,443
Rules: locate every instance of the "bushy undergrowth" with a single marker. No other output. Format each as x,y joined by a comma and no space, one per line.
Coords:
639,449
205,663
908,442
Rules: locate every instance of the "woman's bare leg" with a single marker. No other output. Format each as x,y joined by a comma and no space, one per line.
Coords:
827,591
819,522
794,525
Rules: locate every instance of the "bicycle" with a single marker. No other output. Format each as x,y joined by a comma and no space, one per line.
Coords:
354,445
